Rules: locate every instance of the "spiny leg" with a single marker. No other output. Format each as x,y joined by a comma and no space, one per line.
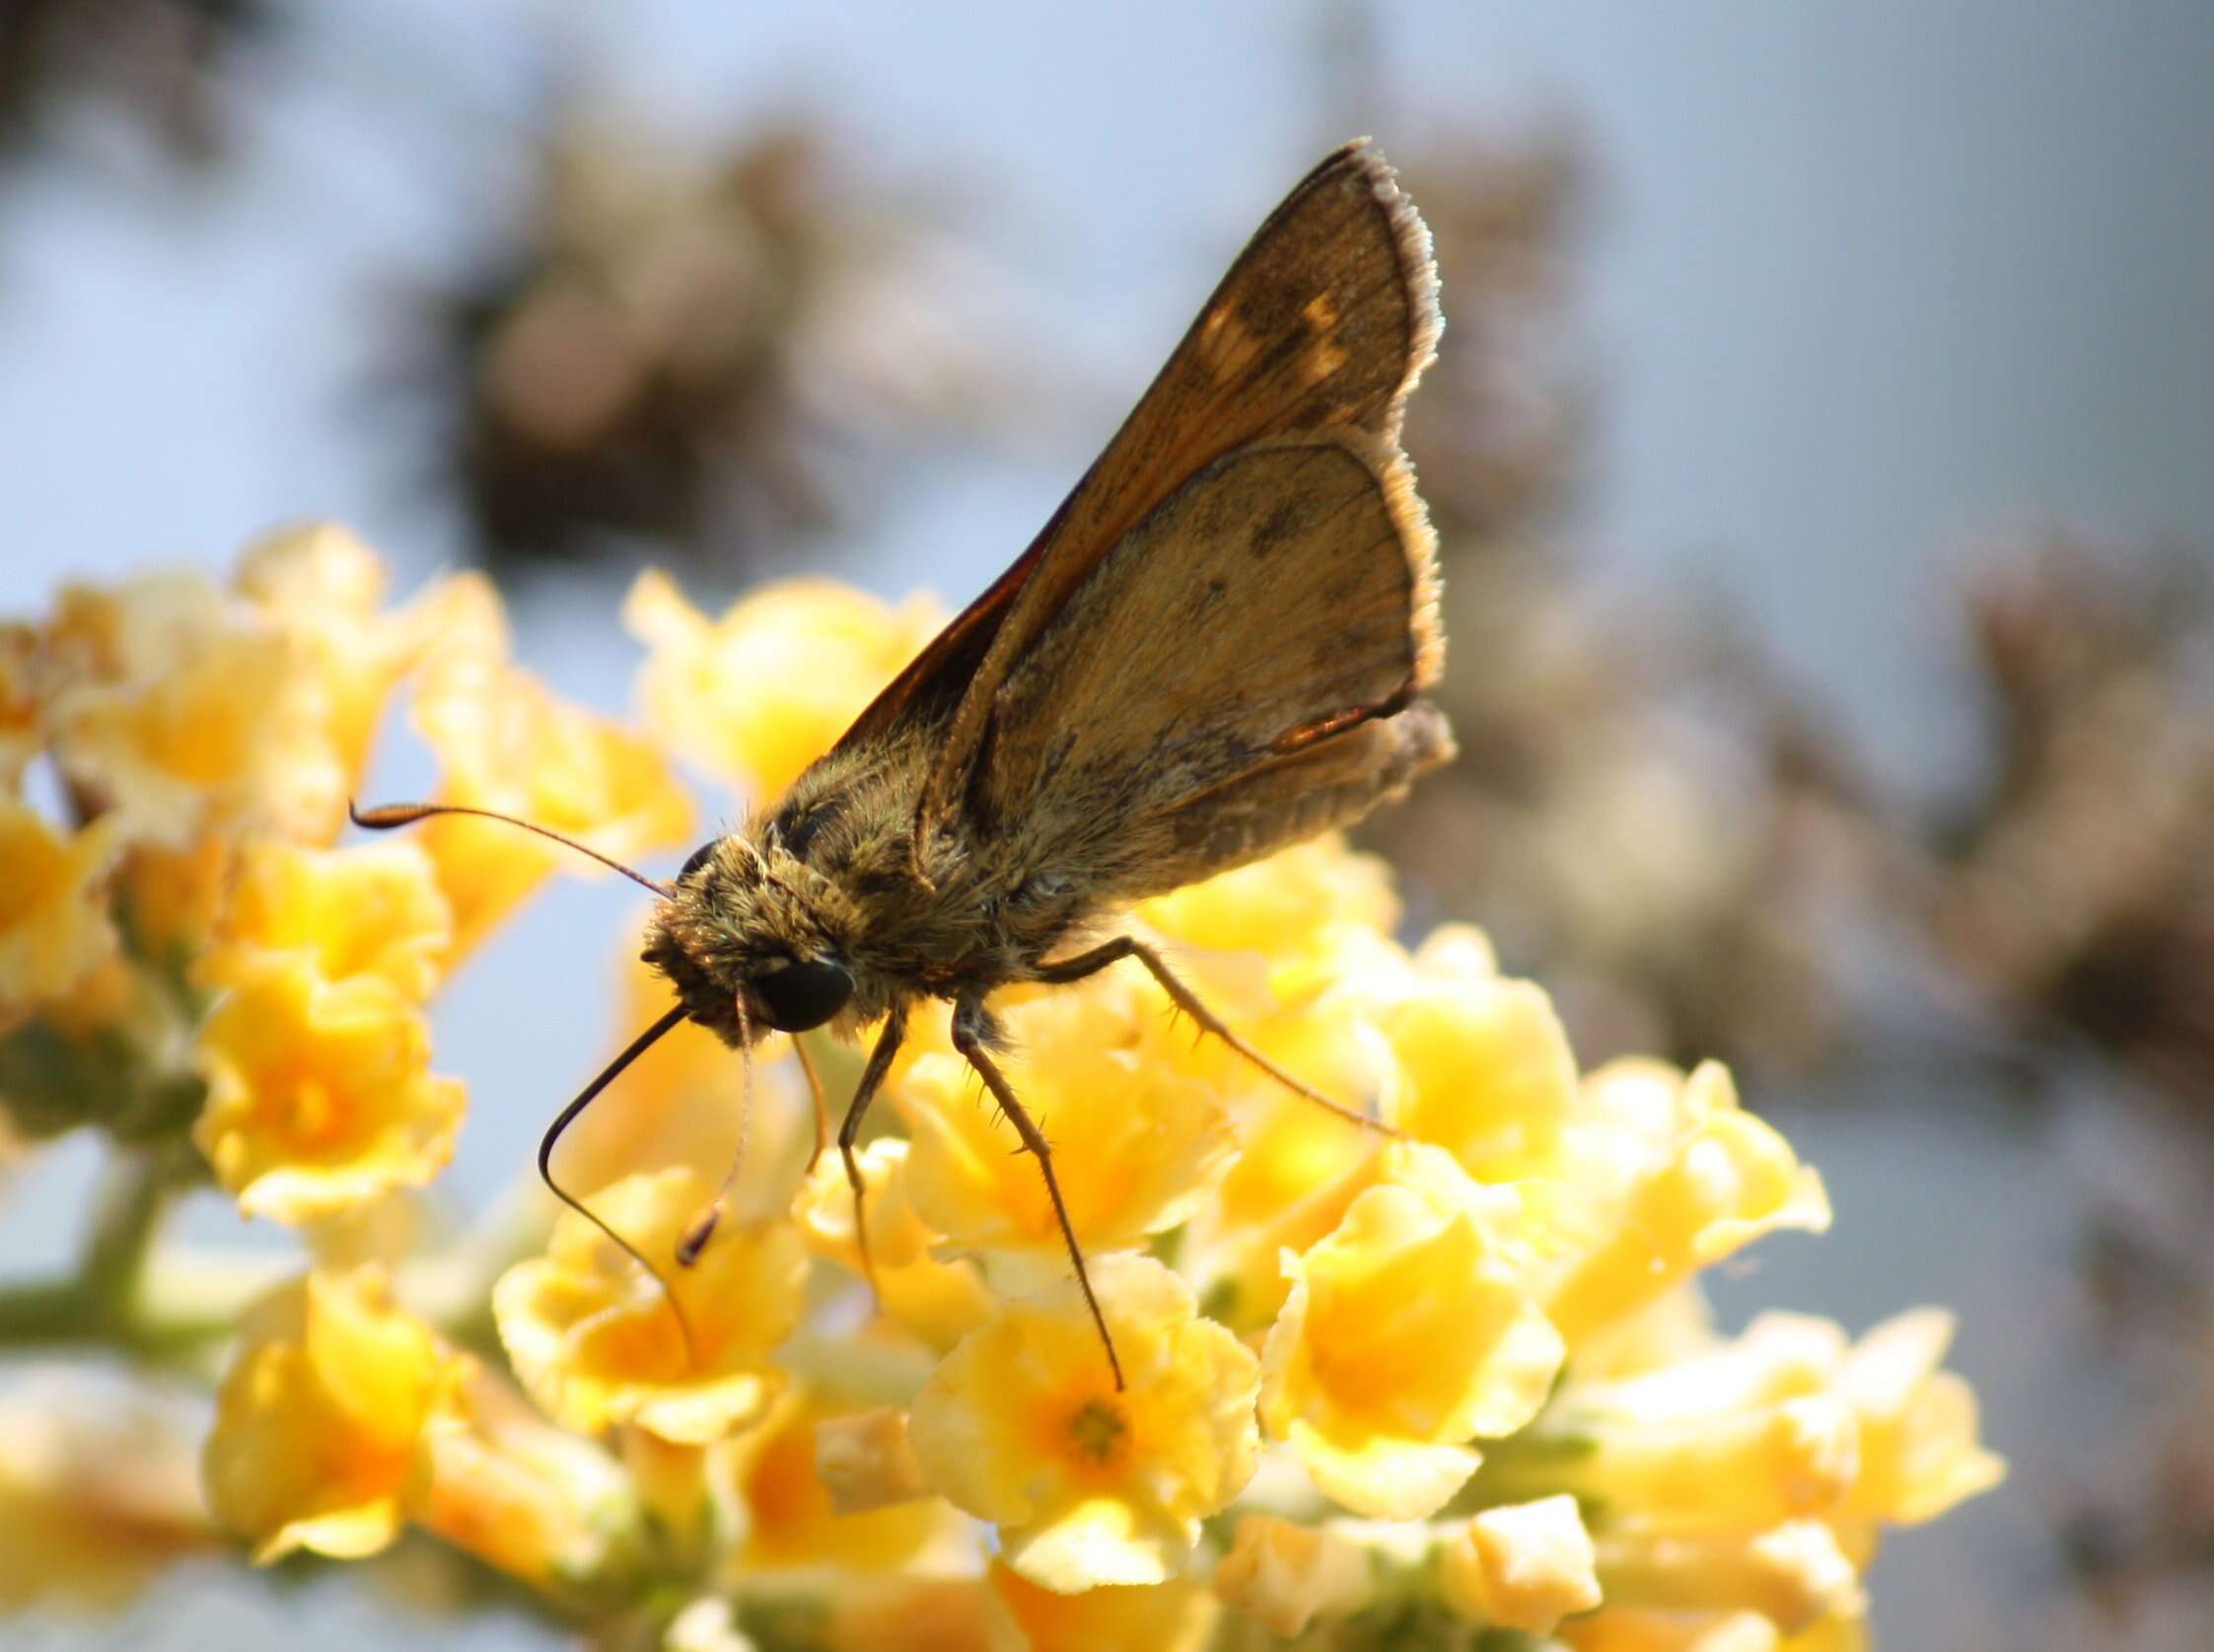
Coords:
821,1100
969,1039
872,1080
1130,946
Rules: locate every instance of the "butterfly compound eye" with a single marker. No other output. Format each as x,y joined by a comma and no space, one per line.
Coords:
798,996
698,859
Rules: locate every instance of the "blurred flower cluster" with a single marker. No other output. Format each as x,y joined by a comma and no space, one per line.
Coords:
688,346
156,61
1409,1387
2065,882
2071,881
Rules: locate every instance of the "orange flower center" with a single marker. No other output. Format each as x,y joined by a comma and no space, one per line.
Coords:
309,1112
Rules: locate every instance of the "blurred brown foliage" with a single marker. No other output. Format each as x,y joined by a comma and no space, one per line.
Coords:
2138,1530
696,351
2076,887
2069,883
157,63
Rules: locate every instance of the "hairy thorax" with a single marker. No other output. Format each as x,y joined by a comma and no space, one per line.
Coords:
830,877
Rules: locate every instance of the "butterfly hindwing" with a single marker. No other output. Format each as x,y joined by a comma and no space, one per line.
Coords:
1278,599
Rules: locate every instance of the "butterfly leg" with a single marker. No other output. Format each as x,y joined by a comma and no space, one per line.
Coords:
1130,946
821,1100
872,1080
973,1036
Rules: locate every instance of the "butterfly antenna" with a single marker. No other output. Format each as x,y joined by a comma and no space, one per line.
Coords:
638,1047
703,1228
387,816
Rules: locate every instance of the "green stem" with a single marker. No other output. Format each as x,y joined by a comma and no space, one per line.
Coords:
134,1199
45,1315
104,1304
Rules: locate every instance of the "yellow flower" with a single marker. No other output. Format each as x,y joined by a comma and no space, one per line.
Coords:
1793,1574
1666,1177
505,744
1294,951
1136,1144
98,1494
1918,1449
1407,1333
1299,1167
183,709
1675,1326
318,1422
494,1478
1177,1615
898,1612
1297,910
774,1469
21,703
1831,1634
323,588
55,927
596,1342
1486,1071
1287,1576
374,909
170,897
1640,1630
318,571
864,1461
319,1094
764,690
1778,1356
1523,1566
1021,1426
678,1496
458,623
939,1300
1734,1471
1783,1420
1451,1053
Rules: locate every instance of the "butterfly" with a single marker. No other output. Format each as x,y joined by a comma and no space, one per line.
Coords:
1218,646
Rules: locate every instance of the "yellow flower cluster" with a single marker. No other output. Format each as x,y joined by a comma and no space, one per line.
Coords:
189,962
1448,1375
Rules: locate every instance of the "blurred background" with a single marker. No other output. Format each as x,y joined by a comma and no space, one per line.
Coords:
1821,448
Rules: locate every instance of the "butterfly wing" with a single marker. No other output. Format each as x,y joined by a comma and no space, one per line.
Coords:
1277,604
1325,321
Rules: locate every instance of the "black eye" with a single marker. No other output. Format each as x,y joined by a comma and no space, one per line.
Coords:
698,859
798,996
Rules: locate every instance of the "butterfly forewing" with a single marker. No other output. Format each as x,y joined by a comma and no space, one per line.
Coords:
1325,321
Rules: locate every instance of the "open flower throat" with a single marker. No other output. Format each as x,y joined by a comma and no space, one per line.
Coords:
1453,1379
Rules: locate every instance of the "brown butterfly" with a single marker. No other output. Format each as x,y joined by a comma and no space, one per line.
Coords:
1217,647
